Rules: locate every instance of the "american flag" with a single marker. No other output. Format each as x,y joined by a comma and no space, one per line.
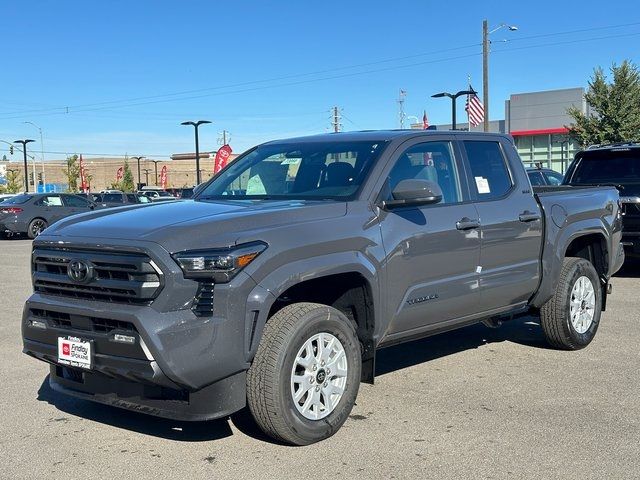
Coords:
475,109
425,121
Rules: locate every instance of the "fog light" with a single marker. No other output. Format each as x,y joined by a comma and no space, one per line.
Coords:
38,324
124,338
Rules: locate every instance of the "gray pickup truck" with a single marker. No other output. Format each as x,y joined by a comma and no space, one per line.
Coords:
276,285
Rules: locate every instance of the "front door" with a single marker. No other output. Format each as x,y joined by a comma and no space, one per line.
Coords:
432,251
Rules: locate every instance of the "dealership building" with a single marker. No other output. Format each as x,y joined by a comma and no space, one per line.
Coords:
538,121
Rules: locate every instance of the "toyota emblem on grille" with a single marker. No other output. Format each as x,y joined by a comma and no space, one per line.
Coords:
80,271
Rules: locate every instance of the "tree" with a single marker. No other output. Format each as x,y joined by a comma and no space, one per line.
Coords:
614,114
72,172
14,182
127,184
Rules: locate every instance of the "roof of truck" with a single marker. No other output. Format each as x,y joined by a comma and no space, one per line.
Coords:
380,135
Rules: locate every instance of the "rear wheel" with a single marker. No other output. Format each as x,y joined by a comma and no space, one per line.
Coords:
305,376
36,226
571,317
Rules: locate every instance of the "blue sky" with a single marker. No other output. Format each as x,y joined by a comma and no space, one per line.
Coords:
106,77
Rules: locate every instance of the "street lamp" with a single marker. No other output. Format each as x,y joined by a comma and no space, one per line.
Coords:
155,163
26,169
44,181
195,126
453,97
485,65
139,177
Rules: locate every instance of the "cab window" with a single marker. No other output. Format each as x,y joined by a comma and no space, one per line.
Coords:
489,174
429,161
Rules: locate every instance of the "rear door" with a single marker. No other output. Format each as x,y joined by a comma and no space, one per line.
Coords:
511,222
432,251
51,208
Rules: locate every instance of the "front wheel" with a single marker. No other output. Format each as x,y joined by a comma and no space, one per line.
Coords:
571,317
305,376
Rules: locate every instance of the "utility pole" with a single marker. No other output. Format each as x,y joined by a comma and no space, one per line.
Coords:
44,180
485,72
336,119
485,65
401,96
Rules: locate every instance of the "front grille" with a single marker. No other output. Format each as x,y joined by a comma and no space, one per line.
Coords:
120,277
203,302
66,321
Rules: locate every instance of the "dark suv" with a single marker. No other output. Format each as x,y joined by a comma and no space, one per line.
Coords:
617,165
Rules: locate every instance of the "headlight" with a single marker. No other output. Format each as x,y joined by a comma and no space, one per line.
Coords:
219,265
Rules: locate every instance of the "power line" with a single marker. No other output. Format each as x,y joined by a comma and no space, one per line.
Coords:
113,103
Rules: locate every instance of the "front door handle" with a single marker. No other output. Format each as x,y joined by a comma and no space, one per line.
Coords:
466,223
528,216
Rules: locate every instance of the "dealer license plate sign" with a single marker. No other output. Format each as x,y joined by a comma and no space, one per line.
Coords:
74,352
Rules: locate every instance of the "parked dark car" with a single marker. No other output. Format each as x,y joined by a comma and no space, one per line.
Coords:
32,213
544,176
617,165
121,199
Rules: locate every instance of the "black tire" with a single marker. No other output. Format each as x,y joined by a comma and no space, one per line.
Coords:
269,393
555,315
36,226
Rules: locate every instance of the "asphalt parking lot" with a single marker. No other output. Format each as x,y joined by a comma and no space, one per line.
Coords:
477,403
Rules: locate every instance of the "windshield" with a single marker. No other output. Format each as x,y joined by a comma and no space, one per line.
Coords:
608,167
17,200
322,170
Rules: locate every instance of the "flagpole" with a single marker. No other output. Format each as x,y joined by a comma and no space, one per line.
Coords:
468,99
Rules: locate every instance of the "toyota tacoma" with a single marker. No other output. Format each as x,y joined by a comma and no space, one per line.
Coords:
277,283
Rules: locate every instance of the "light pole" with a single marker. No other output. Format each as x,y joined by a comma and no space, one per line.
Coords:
146,173
26,168
139,178
44,180
453,97
485,65
155,163
195,126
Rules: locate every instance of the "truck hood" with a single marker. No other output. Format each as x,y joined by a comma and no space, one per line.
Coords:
190,224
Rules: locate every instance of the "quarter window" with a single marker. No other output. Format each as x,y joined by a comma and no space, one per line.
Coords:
429,161
489,174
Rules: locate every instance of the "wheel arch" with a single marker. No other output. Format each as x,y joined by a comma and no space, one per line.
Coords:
346,281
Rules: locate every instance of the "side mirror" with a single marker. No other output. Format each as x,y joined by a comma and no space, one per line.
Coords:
414,192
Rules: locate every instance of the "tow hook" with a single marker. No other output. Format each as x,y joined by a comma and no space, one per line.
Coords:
609,288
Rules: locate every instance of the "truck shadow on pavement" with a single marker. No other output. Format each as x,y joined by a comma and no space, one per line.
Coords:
525,331
134,421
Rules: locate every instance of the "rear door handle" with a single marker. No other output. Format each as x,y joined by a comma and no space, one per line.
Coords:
528,216
466,223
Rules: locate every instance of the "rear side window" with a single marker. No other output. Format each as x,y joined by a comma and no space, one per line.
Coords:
536,178
489,175
50,201
554,178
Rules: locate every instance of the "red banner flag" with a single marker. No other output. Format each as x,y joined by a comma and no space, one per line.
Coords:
163,177
120,174
222,158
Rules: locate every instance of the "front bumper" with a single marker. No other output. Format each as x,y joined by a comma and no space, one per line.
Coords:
179,365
